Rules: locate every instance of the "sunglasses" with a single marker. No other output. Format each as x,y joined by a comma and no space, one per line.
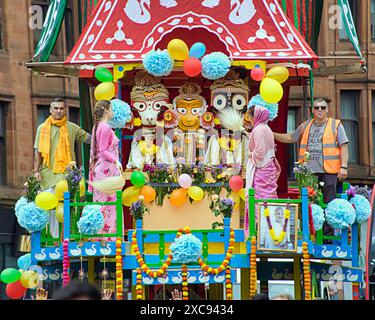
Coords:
320,107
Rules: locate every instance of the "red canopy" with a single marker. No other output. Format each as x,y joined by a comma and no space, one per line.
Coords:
124,30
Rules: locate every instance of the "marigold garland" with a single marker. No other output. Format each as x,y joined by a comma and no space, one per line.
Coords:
185,289
253,268
138,287
119,270
228,284
280,238
306,271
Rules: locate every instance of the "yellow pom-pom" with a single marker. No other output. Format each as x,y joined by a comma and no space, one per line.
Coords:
228,286
139,297
184,283
185,294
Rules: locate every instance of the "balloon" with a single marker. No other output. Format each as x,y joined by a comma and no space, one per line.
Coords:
196,193
29,279
242,194
192,67
236,183
279,73
271,91
138,179
60,188
24,262
82,188
46,201
178,49
178,197
60,212
236,199
15,290
10,275
197,50
185,181
103,75
105,91
149,193
130,195
257,74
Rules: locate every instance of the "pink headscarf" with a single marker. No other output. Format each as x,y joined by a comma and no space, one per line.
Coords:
261,115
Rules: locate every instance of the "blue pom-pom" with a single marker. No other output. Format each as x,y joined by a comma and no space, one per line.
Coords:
340,214
32,218
215,65
91,220
158,63
362,208
24,262
318,216
19,204
257,100
186,249
121,114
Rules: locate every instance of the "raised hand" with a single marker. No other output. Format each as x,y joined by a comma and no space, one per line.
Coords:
176,295
107,294
41,294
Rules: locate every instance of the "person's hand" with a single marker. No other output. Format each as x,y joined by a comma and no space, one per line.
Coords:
41,294
107,294
38,176
343,174
176,295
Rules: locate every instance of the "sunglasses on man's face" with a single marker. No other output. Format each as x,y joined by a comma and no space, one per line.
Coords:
320,107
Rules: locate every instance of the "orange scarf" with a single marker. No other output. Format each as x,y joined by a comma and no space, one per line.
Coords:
62,156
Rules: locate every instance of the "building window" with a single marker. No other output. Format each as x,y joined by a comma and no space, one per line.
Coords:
350,119
292,148
354,9
3,153
42,113
69,27
1,27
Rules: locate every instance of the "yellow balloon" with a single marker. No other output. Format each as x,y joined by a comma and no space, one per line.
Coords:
60,188
271,91
60,212
279,73
242,194
178,49
46,201
82,188
196,193
105,91
236,199
130,195
29,279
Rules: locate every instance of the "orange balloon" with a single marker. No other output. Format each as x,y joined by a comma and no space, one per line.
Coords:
178,197
149,193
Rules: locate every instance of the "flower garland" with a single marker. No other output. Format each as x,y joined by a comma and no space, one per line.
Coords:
253,268
228,284
228,144
147,149
277,239
65,262
119,271
185,289
138,287
306,271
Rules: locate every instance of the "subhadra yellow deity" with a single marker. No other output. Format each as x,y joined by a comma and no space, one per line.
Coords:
149,101
193,122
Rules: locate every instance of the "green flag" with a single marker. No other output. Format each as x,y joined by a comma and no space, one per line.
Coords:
51,30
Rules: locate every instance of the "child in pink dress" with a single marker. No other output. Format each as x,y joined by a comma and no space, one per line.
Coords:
104,161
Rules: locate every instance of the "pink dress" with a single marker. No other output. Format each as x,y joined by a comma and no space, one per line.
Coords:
104,166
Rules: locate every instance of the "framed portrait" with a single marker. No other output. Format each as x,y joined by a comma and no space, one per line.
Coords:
277,227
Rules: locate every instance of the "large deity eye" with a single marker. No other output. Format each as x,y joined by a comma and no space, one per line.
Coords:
195,111
157,105
238,101
182,110
140,106
219,102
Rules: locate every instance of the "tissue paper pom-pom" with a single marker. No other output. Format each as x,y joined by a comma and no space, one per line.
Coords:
257,100
32,218
362,208
91,220
318,216
19,204
186,249
340,214
158,63
121,114
215,65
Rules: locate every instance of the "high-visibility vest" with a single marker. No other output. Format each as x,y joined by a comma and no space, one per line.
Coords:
331,149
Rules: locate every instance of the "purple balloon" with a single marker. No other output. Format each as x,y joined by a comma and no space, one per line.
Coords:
185,181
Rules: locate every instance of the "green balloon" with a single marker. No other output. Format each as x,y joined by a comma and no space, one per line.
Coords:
103,75
10,275
138,179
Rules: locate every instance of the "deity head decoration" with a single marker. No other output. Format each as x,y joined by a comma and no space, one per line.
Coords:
149,98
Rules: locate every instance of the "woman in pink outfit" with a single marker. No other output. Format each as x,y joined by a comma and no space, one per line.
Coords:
263,169
104,161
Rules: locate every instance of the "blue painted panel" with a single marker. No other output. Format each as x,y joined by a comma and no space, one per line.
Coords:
332,252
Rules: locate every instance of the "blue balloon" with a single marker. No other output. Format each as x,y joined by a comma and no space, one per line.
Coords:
197,50
24,262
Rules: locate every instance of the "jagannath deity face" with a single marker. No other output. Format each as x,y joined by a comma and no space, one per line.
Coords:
190,106
148,97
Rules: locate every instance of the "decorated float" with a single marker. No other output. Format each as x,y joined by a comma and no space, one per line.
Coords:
187,72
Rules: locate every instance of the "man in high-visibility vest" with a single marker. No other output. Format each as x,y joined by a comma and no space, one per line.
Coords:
326,141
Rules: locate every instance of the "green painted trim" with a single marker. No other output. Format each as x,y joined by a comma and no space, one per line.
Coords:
283,3
295,13
161,247
205,246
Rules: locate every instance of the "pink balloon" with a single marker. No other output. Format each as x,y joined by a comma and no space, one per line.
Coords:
192,67
257,74
185,181
236,183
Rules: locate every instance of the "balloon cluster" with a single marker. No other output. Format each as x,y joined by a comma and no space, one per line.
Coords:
18,281
271,89
107,89
178,196
238,192
138,188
